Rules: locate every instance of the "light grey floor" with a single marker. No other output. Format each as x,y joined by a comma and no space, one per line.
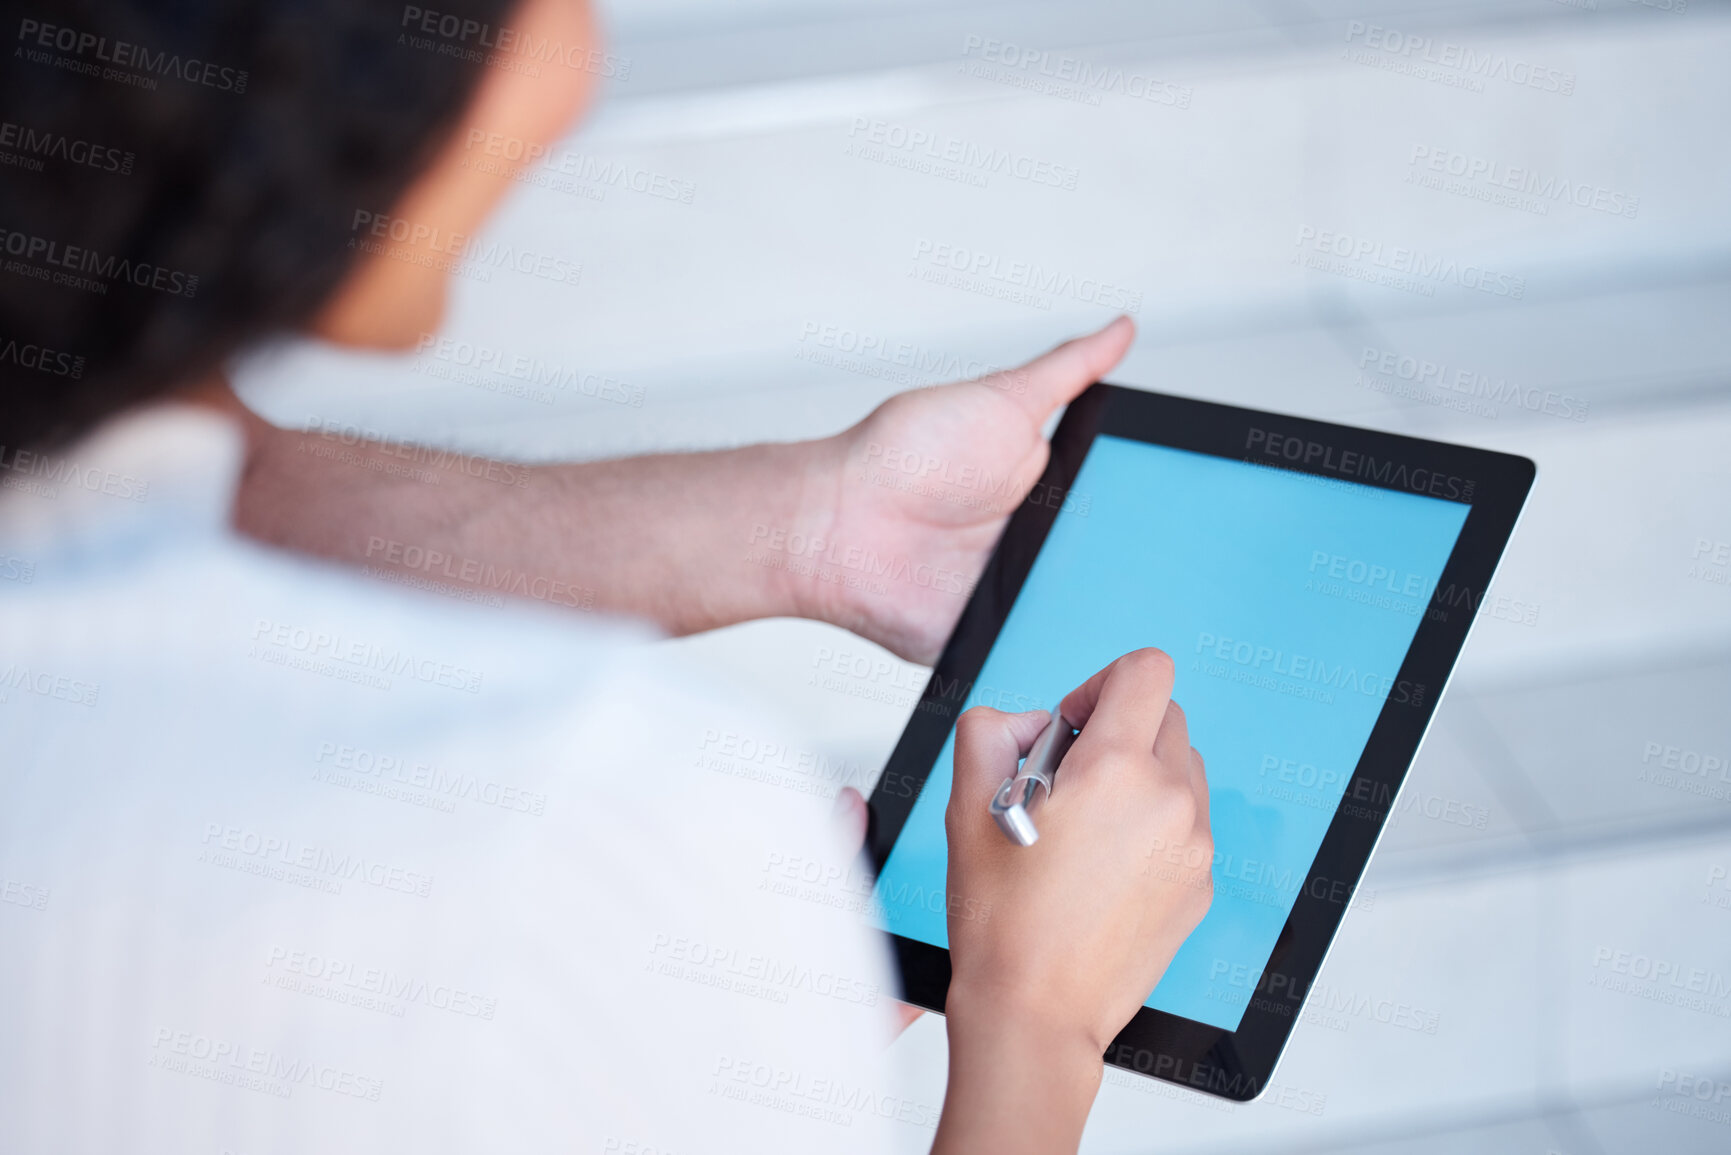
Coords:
1541,834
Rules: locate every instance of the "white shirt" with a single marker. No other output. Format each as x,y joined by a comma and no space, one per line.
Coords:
296,860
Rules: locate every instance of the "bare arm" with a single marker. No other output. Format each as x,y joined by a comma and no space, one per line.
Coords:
881,529
1017,1084
669,537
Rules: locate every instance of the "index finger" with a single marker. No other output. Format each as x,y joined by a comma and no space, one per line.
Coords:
1123,705
988,744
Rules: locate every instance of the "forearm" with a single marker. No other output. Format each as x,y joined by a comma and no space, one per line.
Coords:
1017,1086
669,538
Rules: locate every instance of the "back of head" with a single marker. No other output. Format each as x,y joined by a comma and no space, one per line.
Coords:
179,179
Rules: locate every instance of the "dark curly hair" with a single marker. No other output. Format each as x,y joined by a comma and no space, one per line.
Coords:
178,179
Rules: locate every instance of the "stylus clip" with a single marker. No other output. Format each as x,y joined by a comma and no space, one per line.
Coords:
1010,804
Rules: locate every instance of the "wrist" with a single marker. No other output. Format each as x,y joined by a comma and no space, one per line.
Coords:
745,541
694,541
1021,1078
809,493
982,1014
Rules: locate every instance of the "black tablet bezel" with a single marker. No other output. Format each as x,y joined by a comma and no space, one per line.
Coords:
1232,1064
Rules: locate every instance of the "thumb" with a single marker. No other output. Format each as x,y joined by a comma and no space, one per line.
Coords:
1055,378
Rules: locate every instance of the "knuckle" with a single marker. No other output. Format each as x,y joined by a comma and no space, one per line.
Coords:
975,721
973,716
1152,663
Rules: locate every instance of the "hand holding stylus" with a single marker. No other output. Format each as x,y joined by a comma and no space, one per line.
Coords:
1082,923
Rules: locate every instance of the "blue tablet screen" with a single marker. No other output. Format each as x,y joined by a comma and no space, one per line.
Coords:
1288,602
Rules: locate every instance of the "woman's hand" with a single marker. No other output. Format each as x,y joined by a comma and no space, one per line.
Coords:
882,529
914,496
1085,921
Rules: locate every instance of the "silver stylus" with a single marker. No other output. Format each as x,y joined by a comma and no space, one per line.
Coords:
1010,804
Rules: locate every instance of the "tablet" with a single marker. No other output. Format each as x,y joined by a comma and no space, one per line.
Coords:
1314,584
